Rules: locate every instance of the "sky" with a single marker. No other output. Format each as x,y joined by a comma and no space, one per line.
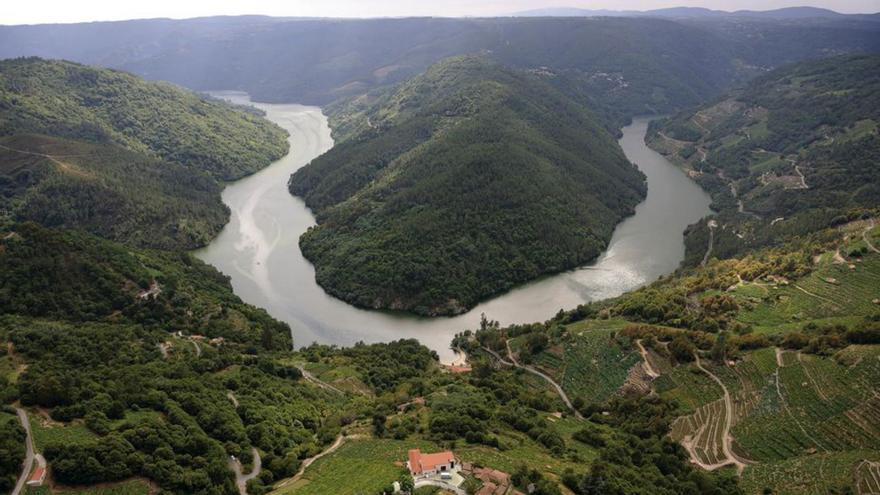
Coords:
44,11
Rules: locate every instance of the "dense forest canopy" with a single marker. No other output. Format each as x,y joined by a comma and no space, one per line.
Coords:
69,100
129,160
459,184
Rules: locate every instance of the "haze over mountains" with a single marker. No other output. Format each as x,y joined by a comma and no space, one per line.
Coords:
788,13
649,64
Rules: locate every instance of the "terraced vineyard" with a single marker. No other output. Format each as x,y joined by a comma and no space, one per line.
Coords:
838,287
868,477
809,412
593,365
814,474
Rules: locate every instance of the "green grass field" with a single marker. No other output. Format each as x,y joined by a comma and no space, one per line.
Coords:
72,434
359,466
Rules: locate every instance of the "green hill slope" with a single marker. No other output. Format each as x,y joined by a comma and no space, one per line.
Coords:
786,154
69,100
126,159
459,184
790,335
77,277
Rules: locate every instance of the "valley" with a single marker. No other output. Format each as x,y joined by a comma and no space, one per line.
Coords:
259,249
624,253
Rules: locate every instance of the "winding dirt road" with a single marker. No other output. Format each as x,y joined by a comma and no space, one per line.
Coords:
868,239
712,224
727,439
649,369
312,378
340,440
514,362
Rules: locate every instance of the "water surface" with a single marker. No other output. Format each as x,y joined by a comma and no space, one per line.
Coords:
259,248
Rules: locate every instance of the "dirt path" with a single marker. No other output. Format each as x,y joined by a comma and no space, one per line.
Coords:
29,451
312,378
340,440
231,397
797,169
817,296
242,479
779,362
64,166
712,226
867,239
726,438
868,476
819,392
791,415
549,380
740,206
649,369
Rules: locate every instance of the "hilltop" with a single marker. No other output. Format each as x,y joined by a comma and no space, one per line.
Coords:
459,184
130,160
787,154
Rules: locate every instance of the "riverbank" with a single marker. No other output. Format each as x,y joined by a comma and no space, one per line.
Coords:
259,248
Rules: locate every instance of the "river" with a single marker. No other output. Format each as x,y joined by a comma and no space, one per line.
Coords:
259,248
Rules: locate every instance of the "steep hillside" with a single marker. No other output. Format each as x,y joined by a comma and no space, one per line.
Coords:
69,100
109,191
787,154
129,160
77,277
459,184
770,362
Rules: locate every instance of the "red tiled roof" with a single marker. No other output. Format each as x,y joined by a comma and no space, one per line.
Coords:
37,474
414,457
419,462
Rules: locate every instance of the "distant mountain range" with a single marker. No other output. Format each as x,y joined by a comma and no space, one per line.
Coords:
790,13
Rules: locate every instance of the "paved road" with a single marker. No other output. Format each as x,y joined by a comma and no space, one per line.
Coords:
441,484
29,456
514,362
242,479
549,380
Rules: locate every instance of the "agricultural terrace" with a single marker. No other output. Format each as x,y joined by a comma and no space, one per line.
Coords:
359,466
587,360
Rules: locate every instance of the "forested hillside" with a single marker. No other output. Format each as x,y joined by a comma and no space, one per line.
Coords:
457,185
133,161
787,154
69,100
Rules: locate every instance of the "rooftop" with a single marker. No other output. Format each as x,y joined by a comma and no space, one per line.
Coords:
419,462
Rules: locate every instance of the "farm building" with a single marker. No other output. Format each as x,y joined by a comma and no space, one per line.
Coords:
37,477
420,464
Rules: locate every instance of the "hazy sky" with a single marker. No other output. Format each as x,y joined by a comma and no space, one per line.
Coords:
39,11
